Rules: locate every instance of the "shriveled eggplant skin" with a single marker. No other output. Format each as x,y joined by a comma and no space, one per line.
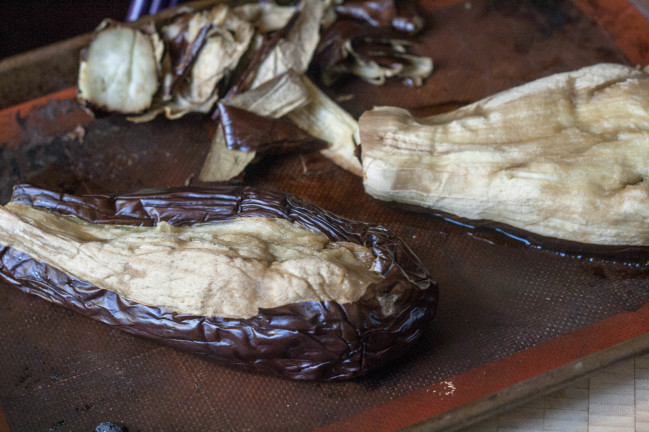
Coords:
246,131
314,340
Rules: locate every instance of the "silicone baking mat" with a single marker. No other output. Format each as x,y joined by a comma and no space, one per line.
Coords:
513,320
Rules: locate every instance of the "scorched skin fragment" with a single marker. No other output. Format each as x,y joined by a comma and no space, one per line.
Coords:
251,278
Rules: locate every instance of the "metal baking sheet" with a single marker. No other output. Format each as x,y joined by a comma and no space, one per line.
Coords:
514,320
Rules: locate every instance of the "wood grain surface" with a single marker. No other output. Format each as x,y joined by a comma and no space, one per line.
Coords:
615,399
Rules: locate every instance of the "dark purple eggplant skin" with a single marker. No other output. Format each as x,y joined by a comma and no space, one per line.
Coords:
312,340
248,132
402,16
247,75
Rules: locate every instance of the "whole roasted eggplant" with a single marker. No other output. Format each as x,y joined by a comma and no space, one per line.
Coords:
295,291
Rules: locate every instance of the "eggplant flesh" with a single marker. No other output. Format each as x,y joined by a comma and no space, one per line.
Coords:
120,70
563,157
324,336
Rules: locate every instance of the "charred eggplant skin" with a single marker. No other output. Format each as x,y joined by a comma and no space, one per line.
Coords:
304,341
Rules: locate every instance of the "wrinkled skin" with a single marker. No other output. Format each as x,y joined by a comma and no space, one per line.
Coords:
306,341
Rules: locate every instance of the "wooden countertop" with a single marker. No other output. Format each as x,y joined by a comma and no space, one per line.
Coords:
615,399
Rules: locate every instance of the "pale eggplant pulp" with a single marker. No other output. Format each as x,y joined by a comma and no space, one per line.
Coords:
119,71
563,157
322,340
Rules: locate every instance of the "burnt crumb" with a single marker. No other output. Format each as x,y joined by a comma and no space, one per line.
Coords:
21,121
57,425
84,408
24,375
110,427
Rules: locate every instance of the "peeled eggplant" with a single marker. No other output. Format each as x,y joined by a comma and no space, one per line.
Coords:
562,157
252,278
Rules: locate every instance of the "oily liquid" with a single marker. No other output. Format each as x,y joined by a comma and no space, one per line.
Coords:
503,234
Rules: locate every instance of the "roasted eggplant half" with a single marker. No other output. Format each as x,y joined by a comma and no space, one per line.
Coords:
252,278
